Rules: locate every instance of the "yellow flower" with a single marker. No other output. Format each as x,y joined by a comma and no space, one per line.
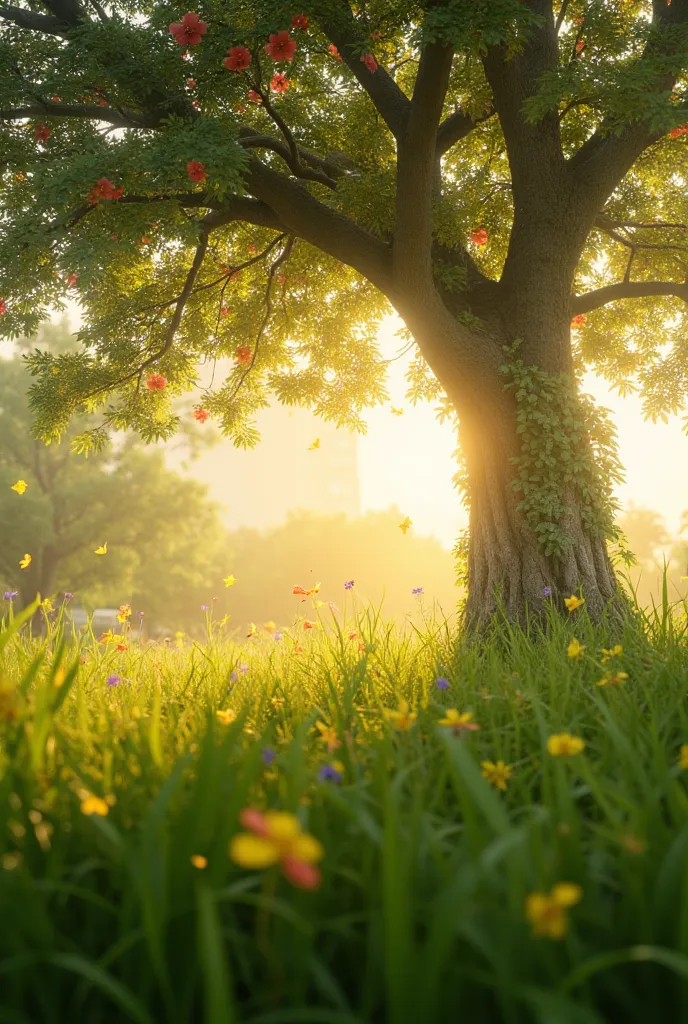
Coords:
199,862
497,774
683,757
328,734
613,652
102,550
564,745
573,602
225,717
614,680
25,562
229,581
124,612
401,718
548,912
94,805
275,837
575,649
20,486
405,525
459,721
314,446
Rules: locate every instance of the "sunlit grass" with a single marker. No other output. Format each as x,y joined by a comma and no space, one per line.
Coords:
135,911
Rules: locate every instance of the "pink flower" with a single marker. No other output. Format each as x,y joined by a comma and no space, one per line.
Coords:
299,21
195,170
279,82
104,189
156,382
239,58
281,46
369,61
189,31
479,236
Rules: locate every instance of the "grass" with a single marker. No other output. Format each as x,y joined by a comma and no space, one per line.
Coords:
420,916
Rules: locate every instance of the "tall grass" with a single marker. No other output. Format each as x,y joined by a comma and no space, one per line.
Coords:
420,916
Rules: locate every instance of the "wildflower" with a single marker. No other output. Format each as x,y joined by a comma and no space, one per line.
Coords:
335,52
299,21
20,486
72,280
314,446
683,757
349,585
547,592
94,805
68,596
417,590
307,624
275,837
156,382
575,649
459,722
112,680
564,745
269,755
230,580
281,46
239,58
124,613
104,189
41,133
254,96
199,861
405,525
243,355
121,646
243,668
441,683
102,550
205,607
573,602
401,718
189,31
279,82
225,717
580,45
479,236
328,735
277,635
195,170
496,773
25,562
612,652
614,680
369,62
10,595
547,912
676,133
200,415
578,320
331,772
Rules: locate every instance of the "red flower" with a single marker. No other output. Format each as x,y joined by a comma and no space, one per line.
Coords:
56,99
195,104
479,236
369,62
279,82
191,82
3,306
335,52
41,132
376,35
225,311
251,247
189,31
156,382
299,21
72,280
201,415
240,108
104,189
254,96
239,58
578,320
281,46
195,170
676,133
580,45
243,355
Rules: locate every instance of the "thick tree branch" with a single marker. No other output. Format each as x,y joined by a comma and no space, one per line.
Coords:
626,290
118,118
24,18
457,126
305,166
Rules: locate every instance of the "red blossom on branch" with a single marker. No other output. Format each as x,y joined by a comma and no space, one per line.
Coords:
41,132
189,31
71,280
279,82
195,170
156,382
369,61
578,320
200,415
299,21
239,58
335,52
254,96
243,355
104,189
3,306
676,133
479,236
191,82
281,46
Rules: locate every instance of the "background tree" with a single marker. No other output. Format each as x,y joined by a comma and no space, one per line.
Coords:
165,542
489,170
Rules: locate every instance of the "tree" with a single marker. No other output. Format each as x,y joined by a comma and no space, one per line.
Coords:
164,538
490,170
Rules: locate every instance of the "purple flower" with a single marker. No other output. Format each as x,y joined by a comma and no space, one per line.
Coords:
112,680
349,585
141,614
205,607
442,683
269,755
328,773
68,596
243,668
547,592
417,590
277,634
9,595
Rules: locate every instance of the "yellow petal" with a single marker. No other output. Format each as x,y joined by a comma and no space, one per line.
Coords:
229,581
94,805
199,861
25,562
20,486
253,852
281,825
102,550
306,848
566,894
